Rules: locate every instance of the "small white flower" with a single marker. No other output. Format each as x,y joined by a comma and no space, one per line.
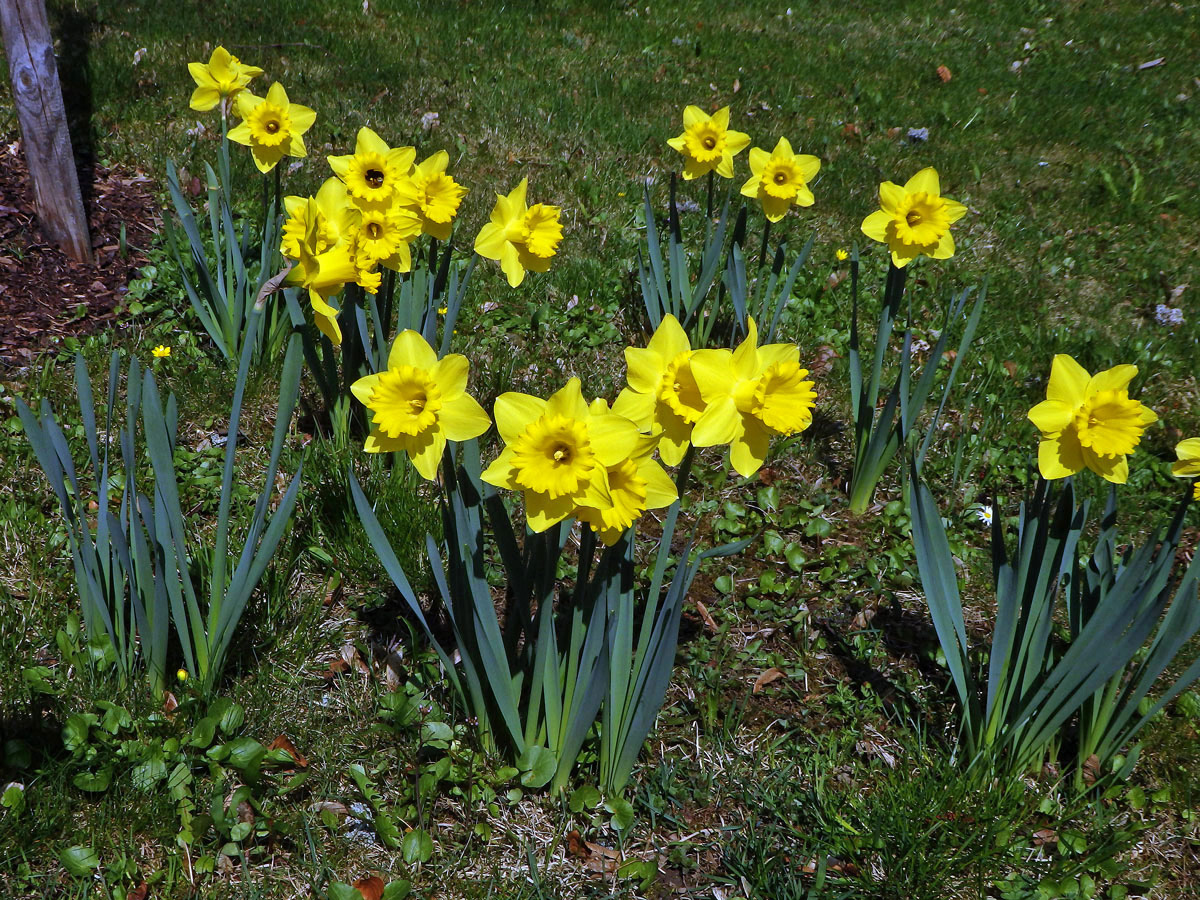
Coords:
1168,315
429,120
984,513
138,55
196,132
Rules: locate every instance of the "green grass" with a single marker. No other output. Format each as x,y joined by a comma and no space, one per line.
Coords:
1081,171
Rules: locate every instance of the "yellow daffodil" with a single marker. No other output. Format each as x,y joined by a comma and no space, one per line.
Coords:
434,195
521,237
751,395
419,403
635,484
914,220
272,126
161,351
384,234
336,218
374,171
1088,421
707,144
224,75
325,272
557,453
780,179
1188,465
662,393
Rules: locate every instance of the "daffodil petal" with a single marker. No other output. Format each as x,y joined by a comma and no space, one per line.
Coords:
1068,381
514,412
463,418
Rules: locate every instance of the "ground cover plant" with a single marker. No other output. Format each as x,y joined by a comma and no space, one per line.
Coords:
439,685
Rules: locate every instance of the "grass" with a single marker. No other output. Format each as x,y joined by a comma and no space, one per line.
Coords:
1080,169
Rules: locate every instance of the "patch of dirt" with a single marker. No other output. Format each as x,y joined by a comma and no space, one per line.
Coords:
44,295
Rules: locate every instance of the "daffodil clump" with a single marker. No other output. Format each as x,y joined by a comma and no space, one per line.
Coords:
1088,421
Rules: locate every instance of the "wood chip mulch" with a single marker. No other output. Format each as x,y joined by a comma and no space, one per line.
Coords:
44,295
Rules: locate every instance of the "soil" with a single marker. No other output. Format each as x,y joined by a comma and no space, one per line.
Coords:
44,295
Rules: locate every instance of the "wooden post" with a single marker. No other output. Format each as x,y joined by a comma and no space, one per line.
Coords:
43,120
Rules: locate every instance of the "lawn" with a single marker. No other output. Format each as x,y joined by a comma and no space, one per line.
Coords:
811,742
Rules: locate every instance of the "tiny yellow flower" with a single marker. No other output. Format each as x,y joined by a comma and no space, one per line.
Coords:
780,178
1088,421
914,220
419,403
442,310
521,237
222,76
707,144
271,127
842,255
160,351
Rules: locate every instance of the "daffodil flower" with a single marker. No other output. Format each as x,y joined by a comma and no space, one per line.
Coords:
419,403
1088,421
914,220
557,453
751,395
384,235
325,272
780,179
434,195
1188,466
635,484
224,75
707,144
521,237
271,127
662,395
374,172
336,217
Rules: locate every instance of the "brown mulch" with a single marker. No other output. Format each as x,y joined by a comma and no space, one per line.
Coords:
44,295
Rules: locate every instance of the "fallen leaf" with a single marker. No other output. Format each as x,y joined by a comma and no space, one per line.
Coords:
770,675
1045,836
141,892
169,702
1011,368
944,74
336,668
333,806
822,361
576,846
282,743
370,887
1091,769
851,130
706,616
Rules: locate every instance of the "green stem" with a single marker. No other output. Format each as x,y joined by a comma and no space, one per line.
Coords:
708,208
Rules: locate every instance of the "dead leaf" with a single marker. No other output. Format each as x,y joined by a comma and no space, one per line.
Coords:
1091,769
333,806
370,887
336,668
1045,836
770,675
575,845
170,704
706,616
822,361
282,743
1011,368
245,812
354,659
894,132
141,892
850,130
944,74
603,860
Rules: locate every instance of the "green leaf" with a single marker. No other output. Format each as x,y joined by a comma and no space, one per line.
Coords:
75,731
203,733
795,557
245,753
506,773
622,813
397,890
229,715
94,782
586,797
437,733
79,860
13,798
340,891
240,831
417,846
537,766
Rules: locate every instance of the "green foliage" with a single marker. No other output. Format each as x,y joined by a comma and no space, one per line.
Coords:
1102,669
880,433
